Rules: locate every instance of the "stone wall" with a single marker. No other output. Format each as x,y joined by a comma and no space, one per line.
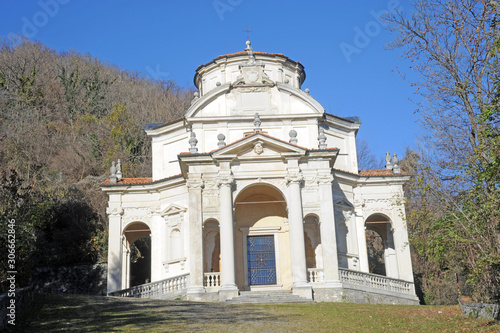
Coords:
359,295
480,310
83,279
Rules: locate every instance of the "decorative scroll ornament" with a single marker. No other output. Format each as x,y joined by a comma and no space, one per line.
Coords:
138,214
225,179
258,148
252,77
324,178
173,220
115,211
194,184
294,178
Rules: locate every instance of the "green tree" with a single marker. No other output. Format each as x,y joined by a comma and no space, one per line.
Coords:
24,209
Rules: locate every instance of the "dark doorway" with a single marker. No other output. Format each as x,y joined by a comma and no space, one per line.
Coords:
140,261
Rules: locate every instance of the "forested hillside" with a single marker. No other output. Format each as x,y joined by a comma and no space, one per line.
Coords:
63,118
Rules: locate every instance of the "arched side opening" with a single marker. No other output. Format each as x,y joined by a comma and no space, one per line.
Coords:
375,247
380,246
211,244
261,241
137,258
314,255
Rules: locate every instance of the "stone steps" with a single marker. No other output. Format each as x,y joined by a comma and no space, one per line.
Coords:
271,297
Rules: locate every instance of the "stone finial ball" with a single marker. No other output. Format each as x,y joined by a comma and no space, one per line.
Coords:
221,137
218,84
248,43
195,94
293,133
307,90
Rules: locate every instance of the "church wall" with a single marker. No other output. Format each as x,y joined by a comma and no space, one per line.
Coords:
173,265
165,149
206,132
345,141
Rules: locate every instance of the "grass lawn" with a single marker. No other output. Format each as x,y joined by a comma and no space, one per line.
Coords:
78,313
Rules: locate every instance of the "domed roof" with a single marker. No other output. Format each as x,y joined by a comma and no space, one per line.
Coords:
244,55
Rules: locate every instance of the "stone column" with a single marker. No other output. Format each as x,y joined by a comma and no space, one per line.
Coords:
228,277
125,279
297,246
196,287
363,253
327,229
115,266
391,266
127,267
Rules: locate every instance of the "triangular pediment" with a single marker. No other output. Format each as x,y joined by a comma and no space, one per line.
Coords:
258,145
343,203
172,210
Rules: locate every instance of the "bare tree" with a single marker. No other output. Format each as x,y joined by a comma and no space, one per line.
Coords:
454,198
366,159
451,44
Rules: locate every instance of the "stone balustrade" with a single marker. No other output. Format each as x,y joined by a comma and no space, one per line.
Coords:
167,288
212,280
315,275
375,281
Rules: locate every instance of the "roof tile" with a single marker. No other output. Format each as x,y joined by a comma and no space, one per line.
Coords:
380,172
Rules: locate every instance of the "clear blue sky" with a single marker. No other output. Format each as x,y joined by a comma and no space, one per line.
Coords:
340,43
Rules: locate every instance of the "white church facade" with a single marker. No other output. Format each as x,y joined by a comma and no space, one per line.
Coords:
257,188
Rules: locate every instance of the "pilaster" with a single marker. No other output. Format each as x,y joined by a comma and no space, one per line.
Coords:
327,229
115,250
195,186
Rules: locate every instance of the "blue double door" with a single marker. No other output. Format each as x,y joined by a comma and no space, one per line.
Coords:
261,260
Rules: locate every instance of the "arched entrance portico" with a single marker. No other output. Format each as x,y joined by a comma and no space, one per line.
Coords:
261,239
136,255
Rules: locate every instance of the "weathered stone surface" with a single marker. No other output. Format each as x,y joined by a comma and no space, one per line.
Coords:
361,296
480,310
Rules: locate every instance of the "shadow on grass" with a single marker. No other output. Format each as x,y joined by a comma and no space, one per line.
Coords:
78,313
